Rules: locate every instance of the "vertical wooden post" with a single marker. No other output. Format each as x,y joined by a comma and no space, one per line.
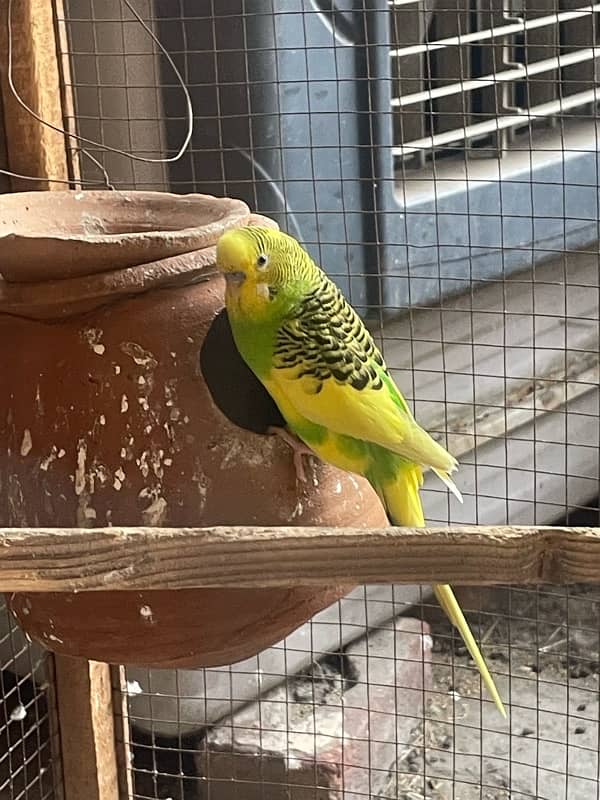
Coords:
83,689
124,748
33,148
86,726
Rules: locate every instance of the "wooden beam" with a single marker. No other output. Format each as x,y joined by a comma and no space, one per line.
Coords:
87,735
33,148
169,558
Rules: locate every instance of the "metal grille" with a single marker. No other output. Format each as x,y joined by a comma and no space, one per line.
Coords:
488,316
474,75
29,764
395,712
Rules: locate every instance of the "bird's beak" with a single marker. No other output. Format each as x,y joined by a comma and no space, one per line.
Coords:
235,279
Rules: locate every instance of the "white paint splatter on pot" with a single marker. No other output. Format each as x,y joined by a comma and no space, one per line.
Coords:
143,358
146,615
80,471
26,443
52,456
93,337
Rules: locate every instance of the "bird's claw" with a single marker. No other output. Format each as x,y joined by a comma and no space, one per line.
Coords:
299,450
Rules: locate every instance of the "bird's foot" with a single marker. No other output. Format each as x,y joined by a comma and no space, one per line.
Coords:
299,449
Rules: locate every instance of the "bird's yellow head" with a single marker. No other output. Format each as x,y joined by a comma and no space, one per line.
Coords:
263,269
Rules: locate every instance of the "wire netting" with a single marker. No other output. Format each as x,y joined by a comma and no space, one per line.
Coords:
440,161
29,762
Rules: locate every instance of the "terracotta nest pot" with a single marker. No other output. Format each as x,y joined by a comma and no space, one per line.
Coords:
128,404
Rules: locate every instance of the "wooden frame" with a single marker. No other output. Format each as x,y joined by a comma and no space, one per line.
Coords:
70,559
119,558
82,689
33,149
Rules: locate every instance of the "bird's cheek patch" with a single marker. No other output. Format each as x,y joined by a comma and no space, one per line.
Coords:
262,291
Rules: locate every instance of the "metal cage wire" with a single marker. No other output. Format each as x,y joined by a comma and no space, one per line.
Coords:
29,749
440,159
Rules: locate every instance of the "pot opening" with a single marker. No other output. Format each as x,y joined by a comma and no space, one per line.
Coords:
234,388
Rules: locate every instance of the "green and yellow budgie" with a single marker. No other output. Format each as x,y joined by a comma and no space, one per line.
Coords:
317,360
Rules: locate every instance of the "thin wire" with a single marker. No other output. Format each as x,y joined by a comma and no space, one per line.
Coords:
49,179
105,147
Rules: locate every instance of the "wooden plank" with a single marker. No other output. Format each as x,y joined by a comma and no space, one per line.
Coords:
69,114
170,558
33,148
87,736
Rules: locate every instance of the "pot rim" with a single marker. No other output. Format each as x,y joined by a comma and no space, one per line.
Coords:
234,207
65,297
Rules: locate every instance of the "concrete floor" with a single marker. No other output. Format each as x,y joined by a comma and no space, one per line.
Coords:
543,649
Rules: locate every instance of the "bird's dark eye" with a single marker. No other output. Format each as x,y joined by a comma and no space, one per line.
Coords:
262,260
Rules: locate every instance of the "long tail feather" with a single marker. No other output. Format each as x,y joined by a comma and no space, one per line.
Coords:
449,603
403,503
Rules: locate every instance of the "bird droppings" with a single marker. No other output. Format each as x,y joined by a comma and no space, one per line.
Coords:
80,471
27,442
337,489
143,403
18,713
92,224
45,462
298,510
133,687
124,404
86,514
202,482
168,462
143,358
156,513
141,380
38,400
54,638
117,369
102,419
174,414
148,429
62,453
93,336
146,614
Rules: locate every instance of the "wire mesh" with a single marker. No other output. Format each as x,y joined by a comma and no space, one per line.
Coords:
29,763
440,161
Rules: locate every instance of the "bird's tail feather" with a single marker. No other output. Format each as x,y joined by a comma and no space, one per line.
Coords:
403,504
449,603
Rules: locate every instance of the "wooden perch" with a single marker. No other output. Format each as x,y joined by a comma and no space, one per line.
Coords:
60,560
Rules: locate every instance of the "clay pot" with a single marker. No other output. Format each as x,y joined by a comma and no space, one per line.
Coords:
128,404
81,233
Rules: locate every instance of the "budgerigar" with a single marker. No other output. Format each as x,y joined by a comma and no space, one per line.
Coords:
317,360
